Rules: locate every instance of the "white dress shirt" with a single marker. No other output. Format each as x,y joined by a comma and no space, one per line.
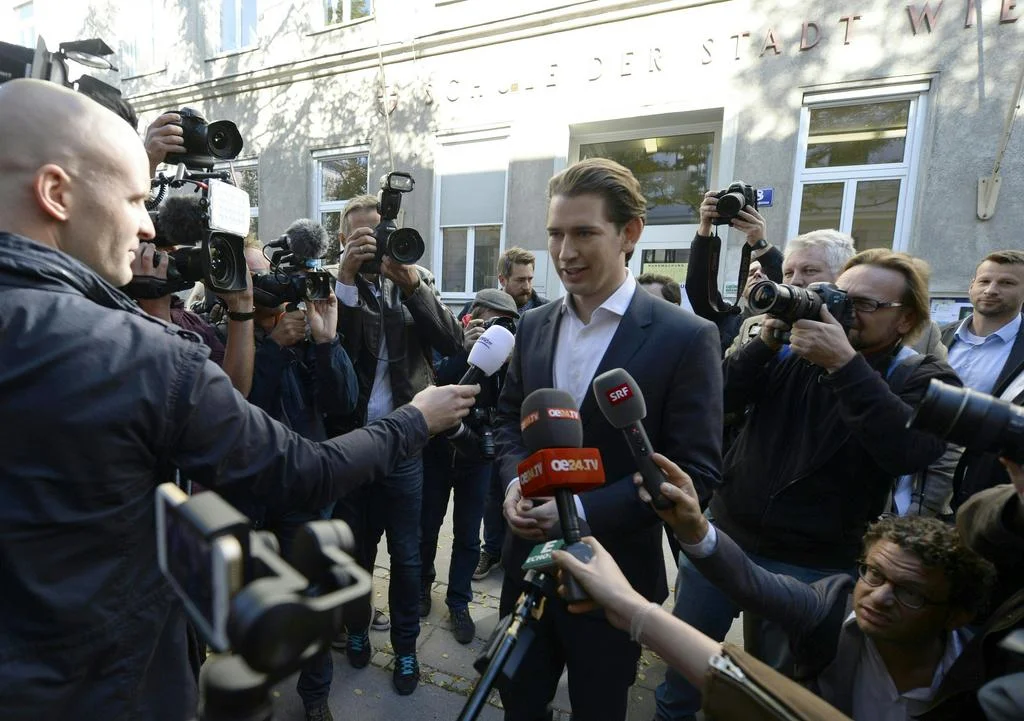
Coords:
979,360
381,401
875,697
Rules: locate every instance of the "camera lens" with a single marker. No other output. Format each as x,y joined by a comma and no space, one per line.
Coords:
730,204
223,269
763,296
977,421
406,246
223,140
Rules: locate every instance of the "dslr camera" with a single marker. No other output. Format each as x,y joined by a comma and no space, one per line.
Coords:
296,267
790,303
732,200
405,245
206,143
977,421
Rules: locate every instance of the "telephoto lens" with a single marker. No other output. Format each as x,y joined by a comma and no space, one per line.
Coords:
785,302
977,421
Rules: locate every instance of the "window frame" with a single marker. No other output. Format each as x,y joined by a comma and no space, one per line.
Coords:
346,15
502,133
317,205
240,46
851,175
26,32
158,60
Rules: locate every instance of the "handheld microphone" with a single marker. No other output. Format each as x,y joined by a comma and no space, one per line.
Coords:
307,240
180,221
622,403
488,354
551,429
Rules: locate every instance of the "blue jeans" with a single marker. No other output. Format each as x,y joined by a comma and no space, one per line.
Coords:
393,505
314,684
494,518
468,483
703,606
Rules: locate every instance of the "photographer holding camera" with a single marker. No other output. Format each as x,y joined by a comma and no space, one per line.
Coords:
392,320
103,402
460,467
739,210
824,441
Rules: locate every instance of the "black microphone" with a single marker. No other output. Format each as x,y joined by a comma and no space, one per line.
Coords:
180,221
307,240
622,403
552,432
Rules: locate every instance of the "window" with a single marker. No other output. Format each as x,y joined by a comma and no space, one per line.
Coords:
856,164
339,178
674,172
25,25
343,11
247,177
237,24
141,52
470,207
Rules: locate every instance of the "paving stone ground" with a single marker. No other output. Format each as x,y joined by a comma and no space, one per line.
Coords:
448,676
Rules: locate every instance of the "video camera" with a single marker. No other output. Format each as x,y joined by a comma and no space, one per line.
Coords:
296,267
208,233
732,200
243,597
790,303
405,245
977,421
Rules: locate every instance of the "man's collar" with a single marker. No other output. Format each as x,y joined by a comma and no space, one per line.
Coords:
1008,333
617,303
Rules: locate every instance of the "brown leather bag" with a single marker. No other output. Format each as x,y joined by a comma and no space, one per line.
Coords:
738,687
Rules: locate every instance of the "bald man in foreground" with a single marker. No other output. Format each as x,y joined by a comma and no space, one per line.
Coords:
99,403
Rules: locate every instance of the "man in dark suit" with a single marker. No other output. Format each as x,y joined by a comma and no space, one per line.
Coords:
595,217
986,349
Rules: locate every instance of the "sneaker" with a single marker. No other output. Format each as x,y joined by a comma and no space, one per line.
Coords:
425,602
320,712
359,649
485,565
463,627
380,621
340,641
406,674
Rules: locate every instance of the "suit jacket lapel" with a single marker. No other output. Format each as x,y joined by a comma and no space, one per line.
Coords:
543,361
629,337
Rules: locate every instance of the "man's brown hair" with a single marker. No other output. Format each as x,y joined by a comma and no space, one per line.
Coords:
914,271
670,289
514,256
1005,257
620,189
360,202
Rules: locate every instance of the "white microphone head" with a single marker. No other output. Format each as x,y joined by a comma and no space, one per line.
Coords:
492,349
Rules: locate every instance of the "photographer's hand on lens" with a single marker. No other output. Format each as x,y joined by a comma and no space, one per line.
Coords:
473,331
290,329
684,517
164,136
404,276
360,246
603,581
823,343
708,212
515,508
149,262
239,301
444,406
323,318
750,222
771,329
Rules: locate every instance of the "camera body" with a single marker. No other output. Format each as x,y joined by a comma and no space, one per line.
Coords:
790,303
206,143
292,279
505,322
404,245
732,200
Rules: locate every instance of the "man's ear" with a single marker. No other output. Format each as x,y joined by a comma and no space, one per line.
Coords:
51,188
631,234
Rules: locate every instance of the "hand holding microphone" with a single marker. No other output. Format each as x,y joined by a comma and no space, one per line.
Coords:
489,353
622,403
683,514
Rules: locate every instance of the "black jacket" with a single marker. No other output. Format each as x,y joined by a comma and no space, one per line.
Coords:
414,327
98,401
818,456
673,356
978,471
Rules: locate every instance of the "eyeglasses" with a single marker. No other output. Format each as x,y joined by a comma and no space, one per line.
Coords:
869,305
914,600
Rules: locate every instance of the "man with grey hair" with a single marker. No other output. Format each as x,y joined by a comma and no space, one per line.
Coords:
814,257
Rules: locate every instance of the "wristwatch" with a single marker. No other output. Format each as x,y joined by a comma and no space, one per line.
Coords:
234,315
759,245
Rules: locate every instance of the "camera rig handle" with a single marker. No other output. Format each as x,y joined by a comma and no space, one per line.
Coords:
283,617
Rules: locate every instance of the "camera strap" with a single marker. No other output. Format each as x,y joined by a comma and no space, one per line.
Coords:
714,298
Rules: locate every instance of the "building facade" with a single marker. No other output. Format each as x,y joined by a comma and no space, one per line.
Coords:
877,118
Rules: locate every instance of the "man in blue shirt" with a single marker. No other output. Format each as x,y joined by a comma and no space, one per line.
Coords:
986,350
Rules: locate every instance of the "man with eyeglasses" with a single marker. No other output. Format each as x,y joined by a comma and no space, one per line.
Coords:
824,441
890,646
